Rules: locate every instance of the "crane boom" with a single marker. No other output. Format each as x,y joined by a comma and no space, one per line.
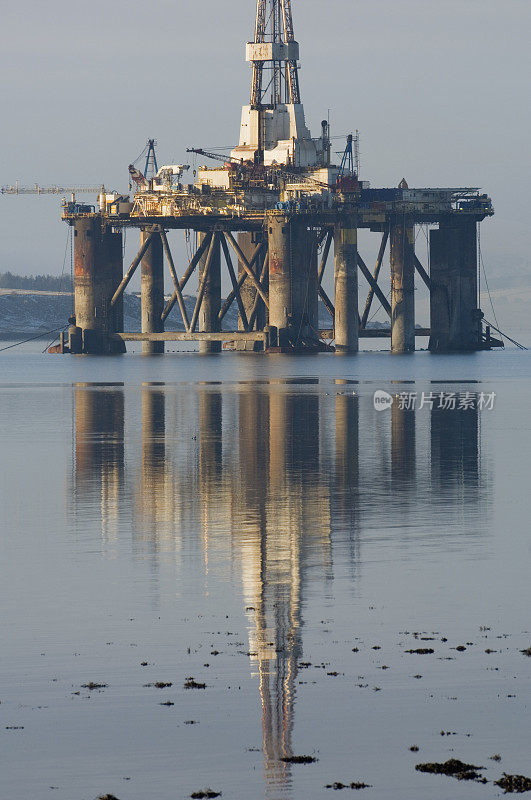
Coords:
279,169
214,156
16,189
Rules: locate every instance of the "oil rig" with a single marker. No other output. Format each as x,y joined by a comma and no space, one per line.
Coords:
270,213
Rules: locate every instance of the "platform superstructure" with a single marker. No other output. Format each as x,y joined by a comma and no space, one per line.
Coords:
271,213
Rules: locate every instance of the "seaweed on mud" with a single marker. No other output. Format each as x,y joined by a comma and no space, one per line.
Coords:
453,767
299,759
203,793
354,785
190,683
516,784
158,685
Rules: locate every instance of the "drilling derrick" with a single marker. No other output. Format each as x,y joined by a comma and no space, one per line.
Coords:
273,130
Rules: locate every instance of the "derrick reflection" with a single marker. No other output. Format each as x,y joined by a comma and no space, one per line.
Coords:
281,513
281,480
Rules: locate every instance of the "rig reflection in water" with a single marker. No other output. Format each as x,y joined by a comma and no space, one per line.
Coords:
272,477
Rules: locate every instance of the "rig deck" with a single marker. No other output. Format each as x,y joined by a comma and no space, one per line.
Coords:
279,207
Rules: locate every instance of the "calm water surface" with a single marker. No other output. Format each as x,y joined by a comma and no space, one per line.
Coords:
255,524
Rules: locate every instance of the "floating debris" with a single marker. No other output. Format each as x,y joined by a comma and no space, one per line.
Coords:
514,783
299,759
190,683
527,651
354,785
202,793
91,685
454,768
422,651
495,757
158,685
414,748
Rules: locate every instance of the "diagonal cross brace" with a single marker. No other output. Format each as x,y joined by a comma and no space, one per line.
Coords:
234,281
257,298
326,250
131,271
247,267
379,259
326,301
202,283
175,280
422,272
241,280
184,280
373,284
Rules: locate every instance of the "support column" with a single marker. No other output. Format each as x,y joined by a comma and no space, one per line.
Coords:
279,279
402,287
292,283
92,290
152,292
455,320
346,326
208,314
114,251
304,284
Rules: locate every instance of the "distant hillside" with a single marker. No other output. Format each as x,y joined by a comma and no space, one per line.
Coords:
50,283
29,314
25,312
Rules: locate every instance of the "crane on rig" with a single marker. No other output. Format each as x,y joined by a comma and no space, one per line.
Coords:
348,177
279,169
36,189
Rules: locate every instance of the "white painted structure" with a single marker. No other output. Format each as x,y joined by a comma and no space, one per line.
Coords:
285,137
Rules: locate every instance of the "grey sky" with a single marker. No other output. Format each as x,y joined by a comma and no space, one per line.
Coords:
438,90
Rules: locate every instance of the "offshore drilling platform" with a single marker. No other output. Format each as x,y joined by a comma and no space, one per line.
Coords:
278,206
